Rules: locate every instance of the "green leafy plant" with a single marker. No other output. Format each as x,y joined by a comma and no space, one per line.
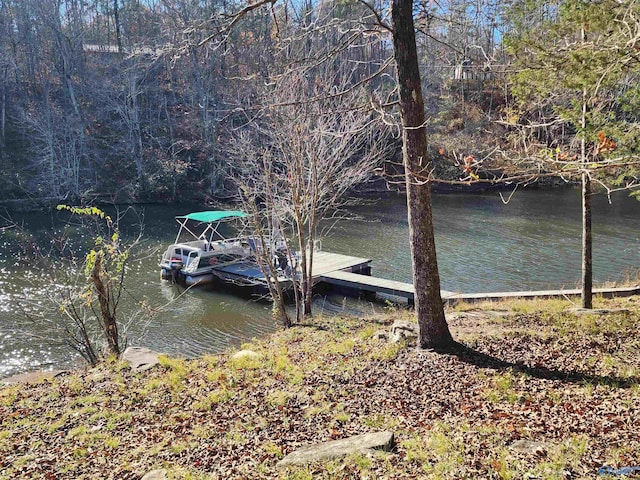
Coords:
104,268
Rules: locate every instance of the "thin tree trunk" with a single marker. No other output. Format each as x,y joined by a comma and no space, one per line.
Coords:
108,318
587,241
3,110
116,18
3,120
305,284
433,328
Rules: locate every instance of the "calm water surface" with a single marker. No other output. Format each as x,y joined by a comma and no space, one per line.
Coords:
483,245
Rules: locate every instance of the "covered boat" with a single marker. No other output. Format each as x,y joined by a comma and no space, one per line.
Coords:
209,255
192,261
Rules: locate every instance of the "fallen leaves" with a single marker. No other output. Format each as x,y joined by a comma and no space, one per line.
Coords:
573,392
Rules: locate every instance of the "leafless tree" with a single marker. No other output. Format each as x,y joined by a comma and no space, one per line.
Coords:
434,331
300,158
83,305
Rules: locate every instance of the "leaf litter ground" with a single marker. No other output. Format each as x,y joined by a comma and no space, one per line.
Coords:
532,391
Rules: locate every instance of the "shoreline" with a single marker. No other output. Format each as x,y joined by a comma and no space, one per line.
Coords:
29,205
449,298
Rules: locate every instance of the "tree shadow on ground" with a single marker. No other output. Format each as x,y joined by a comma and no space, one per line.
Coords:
474,357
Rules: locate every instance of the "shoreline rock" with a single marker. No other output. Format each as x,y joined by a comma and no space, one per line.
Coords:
140,358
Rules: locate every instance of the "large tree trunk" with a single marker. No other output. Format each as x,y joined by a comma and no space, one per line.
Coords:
434,332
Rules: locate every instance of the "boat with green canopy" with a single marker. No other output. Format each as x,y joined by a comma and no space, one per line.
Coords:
191,261
208,255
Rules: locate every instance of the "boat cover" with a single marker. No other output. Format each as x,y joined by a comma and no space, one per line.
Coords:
244,269
213,215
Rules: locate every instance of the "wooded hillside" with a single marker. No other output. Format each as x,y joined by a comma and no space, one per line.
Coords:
135,100
116,99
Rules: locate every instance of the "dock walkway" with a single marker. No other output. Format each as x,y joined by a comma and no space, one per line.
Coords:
562,293
354,273
374,284
327,262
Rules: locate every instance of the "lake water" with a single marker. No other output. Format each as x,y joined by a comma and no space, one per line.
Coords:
483,245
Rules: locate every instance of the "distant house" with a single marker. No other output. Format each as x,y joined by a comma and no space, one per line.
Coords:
467,71
90,48
113,49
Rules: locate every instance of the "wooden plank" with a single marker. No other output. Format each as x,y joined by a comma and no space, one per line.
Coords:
406,290
373,284
325,262
573,292
369,284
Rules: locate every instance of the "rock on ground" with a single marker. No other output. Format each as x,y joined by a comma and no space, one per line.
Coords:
156,475
248,354
338,448
529,447
403,331
140,358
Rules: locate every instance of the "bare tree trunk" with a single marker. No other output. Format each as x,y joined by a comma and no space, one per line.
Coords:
434,331
3,108
305,284
3,120
116,18
587,241
107,316
133,118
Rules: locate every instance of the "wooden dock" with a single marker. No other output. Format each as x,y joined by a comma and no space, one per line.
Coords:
562,293
327,262
367,283
355,273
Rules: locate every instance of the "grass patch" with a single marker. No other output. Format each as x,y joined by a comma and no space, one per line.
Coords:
8,395
381,421
216,397
272,449
246,362
386,352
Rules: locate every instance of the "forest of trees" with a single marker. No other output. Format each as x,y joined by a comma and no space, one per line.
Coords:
134,100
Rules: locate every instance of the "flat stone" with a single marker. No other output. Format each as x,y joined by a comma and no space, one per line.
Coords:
160,474
32,377
403,331
367,442
141,358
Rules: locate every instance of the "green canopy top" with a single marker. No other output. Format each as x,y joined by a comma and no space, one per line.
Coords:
213,215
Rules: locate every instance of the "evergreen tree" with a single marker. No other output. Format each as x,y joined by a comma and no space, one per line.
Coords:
575,85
